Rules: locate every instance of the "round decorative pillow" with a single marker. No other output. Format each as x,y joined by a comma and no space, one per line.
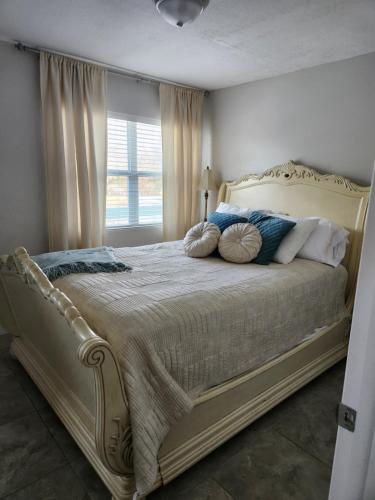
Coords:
201,240
240,243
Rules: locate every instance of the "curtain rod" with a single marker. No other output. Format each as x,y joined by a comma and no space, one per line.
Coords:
110,68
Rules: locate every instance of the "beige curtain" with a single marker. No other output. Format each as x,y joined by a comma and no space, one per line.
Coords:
181,124
74,122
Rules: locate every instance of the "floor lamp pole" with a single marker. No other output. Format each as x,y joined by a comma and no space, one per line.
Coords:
205,205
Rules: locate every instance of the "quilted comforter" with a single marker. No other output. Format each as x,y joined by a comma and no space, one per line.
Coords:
180,326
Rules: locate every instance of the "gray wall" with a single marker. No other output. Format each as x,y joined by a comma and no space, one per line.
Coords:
22,194
323,116
134,97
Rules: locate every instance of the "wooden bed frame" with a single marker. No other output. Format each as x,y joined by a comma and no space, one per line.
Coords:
78,372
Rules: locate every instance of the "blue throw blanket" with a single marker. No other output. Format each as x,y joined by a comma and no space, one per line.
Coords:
89,260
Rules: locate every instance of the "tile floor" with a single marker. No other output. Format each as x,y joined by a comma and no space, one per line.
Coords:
286,455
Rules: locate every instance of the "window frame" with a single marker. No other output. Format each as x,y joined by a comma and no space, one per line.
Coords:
133,174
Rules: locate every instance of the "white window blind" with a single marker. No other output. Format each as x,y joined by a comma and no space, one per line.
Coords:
134,172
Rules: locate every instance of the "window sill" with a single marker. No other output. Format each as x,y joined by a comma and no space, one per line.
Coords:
134,226
135,235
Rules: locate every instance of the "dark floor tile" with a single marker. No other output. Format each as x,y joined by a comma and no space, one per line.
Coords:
14,402
62,484
4,366
272,467
309,419
27,453
90,479
217,459
207,490
34,394
62,437
330,384
26,382
5,341
313,429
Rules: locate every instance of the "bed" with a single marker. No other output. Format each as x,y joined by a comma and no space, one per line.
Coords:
78,357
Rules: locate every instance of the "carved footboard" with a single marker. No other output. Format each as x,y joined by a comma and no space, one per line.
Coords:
75,368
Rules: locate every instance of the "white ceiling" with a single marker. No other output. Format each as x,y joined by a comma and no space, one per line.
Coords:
233,42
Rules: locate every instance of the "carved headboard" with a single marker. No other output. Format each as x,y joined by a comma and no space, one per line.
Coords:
302,191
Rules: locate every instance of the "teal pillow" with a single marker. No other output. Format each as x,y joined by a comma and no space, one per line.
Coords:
272,230
223,220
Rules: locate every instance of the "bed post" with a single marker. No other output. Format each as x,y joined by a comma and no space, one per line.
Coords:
222,192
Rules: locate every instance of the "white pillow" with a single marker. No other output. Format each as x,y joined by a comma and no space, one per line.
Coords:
228,208
240,243
292,243
326,244
201,240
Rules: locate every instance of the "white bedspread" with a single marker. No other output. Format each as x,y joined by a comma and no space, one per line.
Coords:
181,325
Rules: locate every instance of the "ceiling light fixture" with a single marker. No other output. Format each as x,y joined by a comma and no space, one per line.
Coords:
180,12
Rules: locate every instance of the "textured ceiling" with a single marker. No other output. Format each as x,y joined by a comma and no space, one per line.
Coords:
233,42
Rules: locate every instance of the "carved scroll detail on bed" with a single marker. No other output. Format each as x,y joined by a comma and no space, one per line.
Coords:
112,429
292,170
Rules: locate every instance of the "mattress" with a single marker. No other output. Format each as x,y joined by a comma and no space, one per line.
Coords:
180,326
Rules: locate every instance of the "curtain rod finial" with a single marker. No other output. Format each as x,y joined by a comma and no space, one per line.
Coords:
20,46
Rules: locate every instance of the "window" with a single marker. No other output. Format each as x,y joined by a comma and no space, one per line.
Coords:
134,172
